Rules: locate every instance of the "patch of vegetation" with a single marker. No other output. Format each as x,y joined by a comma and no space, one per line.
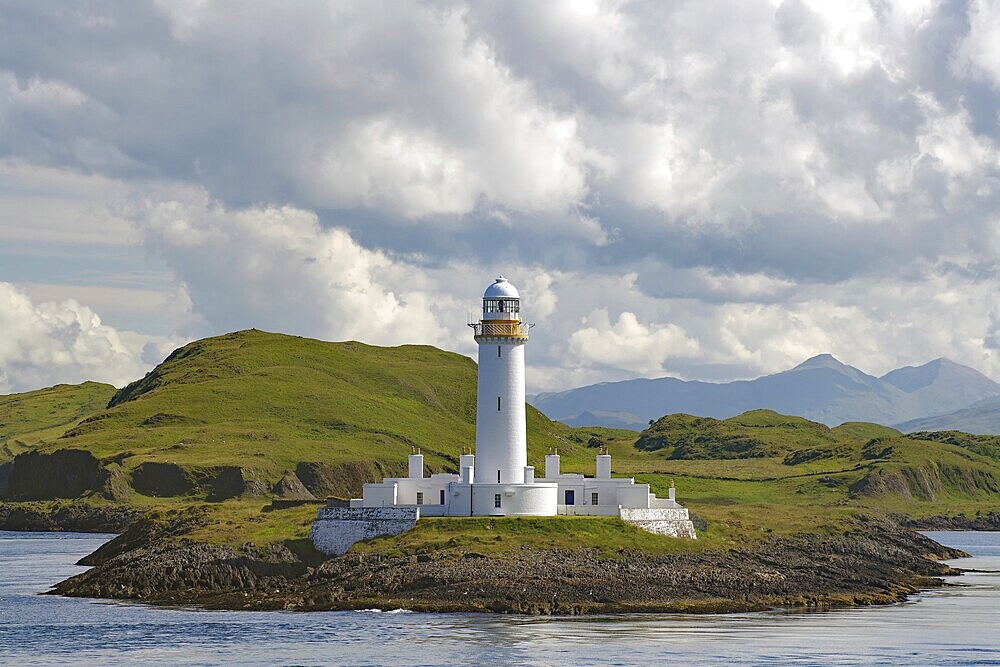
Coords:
492,536
36,416
754,434
986,445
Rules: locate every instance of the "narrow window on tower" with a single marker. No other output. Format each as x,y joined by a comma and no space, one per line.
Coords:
420,498
498,350
498,404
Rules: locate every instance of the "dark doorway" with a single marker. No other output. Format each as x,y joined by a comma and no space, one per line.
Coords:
570,497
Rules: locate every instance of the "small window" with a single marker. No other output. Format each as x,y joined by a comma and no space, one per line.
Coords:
498,404
420,497
498,476
593,498
498,351
496,500
442,497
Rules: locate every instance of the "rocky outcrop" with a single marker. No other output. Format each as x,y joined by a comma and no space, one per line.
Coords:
878,562
5,469
979,521
78,517
924,482
290,487
346,479
64,473
159,480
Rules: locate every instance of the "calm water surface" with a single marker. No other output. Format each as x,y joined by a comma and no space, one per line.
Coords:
959,625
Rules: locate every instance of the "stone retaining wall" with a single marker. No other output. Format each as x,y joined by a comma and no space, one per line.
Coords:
337,528
673,522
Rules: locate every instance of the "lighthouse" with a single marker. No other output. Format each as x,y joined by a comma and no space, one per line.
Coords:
496,480
501,442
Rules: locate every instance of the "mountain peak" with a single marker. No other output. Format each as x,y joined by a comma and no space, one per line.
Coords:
825,360
951,375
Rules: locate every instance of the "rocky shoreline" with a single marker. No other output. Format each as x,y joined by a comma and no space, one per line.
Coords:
878,561
987,522
75,517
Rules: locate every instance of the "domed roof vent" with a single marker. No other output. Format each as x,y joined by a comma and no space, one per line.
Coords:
501,289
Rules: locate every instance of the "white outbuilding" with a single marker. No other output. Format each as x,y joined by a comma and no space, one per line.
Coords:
497,480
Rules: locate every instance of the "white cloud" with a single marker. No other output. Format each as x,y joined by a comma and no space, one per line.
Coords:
277,269
55,342
628,344
709,188
979,52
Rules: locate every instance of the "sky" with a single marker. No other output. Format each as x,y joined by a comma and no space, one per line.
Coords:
708,190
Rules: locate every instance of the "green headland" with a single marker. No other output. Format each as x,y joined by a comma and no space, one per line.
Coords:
232,441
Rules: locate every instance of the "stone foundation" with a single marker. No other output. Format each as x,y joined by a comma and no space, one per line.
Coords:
672,522
337,528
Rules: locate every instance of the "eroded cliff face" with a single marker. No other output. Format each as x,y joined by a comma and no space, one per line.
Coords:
877,562
346,479
73,473
65,473
925,482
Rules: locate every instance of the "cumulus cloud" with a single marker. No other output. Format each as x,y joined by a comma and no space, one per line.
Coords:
710,189
277,268
628,344
979,52
48,343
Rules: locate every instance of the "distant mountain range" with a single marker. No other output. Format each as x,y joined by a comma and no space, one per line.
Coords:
982,418
822,389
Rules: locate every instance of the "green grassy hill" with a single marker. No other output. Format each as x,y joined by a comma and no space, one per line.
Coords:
226,424
232,415
33,417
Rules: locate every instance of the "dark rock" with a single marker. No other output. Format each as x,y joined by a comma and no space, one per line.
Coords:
78,517
116,486
64,473
290,487
346,479
5,469
161,479
989,521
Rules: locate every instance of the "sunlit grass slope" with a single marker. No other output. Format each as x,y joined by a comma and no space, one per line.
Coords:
35,416
269,401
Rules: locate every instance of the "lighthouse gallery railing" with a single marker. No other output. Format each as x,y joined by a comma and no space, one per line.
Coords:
500,329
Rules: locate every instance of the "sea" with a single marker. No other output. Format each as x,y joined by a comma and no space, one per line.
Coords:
955,625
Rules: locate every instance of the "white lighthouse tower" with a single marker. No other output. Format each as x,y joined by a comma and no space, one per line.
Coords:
497,480
501,441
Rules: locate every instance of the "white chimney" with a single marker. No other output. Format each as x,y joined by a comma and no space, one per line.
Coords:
551,466
604,466
416,466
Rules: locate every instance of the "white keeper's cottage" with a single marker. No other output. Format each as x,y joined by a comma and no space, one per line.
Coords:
497,480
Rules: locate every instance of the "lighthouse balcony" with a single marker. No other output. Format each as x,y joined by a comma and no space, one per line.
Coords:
508,329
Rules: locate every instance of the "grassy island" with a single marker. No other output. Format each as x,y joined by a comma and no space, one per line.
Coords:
216,460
